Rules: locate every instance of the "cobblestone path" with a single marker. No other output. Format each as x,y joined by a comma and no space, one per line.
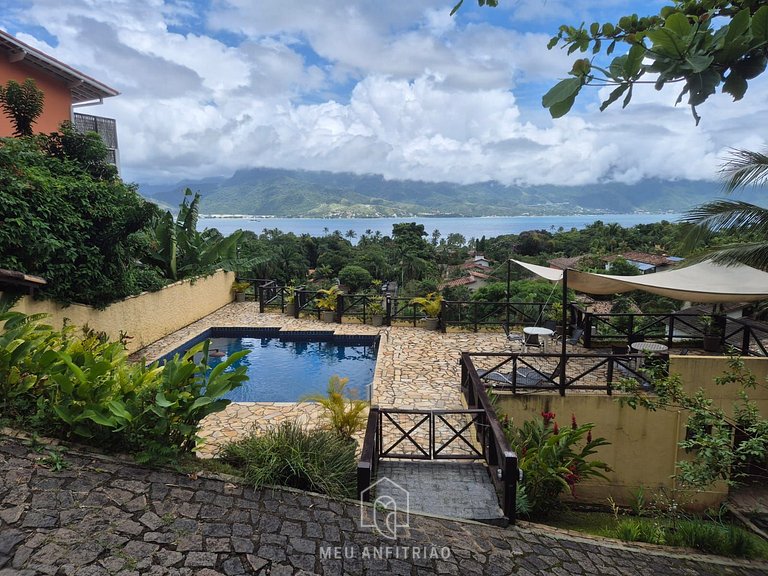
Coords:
101,516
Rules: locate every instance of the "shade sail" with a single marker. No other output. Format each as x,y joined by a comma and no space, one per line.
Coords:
702,282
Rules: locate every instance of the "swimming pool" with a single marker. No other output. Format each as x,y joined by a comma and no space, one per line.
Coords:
284,366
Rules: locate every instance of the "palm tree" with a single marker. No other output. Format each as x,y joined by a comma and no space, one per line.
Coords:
743,168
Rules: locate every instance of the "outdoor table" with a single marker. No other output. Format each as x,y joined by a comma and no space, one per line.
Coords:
652,347
649,347
539,331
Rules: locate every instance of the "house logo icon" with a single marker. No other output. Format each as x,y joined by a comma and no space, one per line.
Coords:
390,510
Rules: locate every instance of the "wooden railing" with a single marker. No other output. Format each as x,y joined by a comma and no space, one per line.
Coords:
526,373
470,434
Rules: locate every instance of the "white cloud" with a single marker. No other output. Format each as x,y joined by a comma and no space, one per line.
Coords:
396,88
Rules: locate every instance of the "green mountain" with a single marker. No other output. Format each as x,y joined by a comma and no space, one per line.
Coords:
294,193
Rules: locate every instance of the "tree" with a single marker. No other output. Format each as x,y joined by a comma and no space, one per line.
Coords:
76,231
741,219
22,104
355,277
180,251
700,44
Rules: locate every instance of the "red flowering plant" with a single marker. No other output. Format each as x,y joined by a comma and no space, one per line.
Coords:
553,460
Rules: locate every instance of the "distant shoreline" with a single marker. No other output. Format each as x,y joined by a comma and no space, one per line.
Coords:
469,227
431,216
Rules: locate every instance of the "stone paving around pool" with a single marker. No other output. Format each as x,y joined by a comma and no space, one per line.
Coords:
415,369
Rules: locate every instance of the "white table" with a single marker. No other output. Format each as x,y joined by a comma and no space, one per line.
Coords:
649,347
539,331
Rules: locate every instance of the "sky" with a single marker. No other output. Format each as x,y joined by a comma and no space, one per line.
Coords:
397,87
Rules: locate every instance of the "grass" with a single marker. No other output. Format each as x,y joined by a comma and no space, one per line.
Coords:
706,535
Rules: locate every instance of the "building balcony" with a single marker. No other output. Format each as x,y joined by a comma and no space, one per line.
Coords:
106,128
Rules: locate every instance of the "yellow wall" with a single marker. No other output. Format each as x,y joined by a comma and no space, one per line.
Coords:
644,444
148,316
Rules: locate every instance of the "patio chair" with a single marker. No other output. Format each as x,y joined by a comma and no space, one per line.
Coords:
576,335
516,338
532,340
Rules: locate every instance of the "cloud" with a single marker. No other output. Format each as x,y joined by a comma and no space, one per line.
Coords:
394,88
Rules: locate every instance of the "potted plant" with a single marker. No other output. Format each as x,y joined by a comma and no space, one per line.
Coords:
431,304
377,313
290,300
238,289
712,333
326,302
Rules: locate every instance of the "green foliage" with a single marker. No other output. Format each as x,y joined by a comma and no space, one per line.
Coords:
179,251
345,414
86,150
707,536
59,383
710,438
22,104
431,304
61,223
553,459
702,44
355,278
290,455
327,298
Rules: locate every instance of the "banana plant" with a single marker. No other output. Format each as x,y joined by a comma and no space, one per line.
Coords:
180,251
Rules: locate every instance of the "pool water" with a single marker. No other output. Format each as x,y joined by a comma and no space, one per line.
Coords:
285,370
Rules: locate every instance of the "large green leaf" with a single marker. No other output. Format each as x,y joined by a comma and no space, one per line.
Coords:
738,26
760,24
666,43
561,97
678,24
735,85
613,96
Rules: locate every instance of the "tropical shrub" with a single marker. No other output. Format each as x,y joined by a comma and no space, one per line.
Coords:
61,223
82,386
290,455
345,415
178,250
355,277
553,459
327,298
431,304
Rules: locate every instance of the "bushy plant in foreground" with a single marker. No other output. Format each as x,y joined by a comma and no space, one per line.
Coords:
290,455
553,459
82,387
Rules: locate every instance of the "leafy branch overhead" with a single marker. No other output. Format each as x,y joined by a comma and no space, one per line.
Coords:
702,44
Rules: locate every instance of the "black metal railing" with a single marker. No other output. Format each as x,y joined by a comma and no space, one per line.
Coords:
522,373
747,337
469,434
481,315
499,456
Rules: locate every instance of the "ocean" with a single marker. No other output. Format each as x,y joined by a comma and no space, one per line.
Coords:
468,227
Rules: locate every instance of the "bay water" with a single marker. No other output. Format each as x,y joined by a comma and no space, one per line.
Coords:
468,227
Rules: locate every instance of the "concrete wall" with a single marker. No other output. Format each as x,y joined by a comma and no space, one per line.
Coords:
644,444
148,316
57,105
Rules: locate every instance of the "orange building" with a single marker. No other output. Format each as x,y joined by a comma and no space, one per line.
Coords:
64,87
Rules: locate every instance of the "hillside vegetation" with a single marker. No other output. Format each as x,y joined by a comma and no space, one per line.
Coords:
287,193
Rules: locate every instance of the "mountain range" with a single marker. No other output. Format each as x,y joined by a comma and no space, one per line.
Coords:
315,194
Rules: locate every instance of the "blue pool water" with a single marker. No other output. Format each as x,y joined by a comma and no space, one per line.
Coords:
284,368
